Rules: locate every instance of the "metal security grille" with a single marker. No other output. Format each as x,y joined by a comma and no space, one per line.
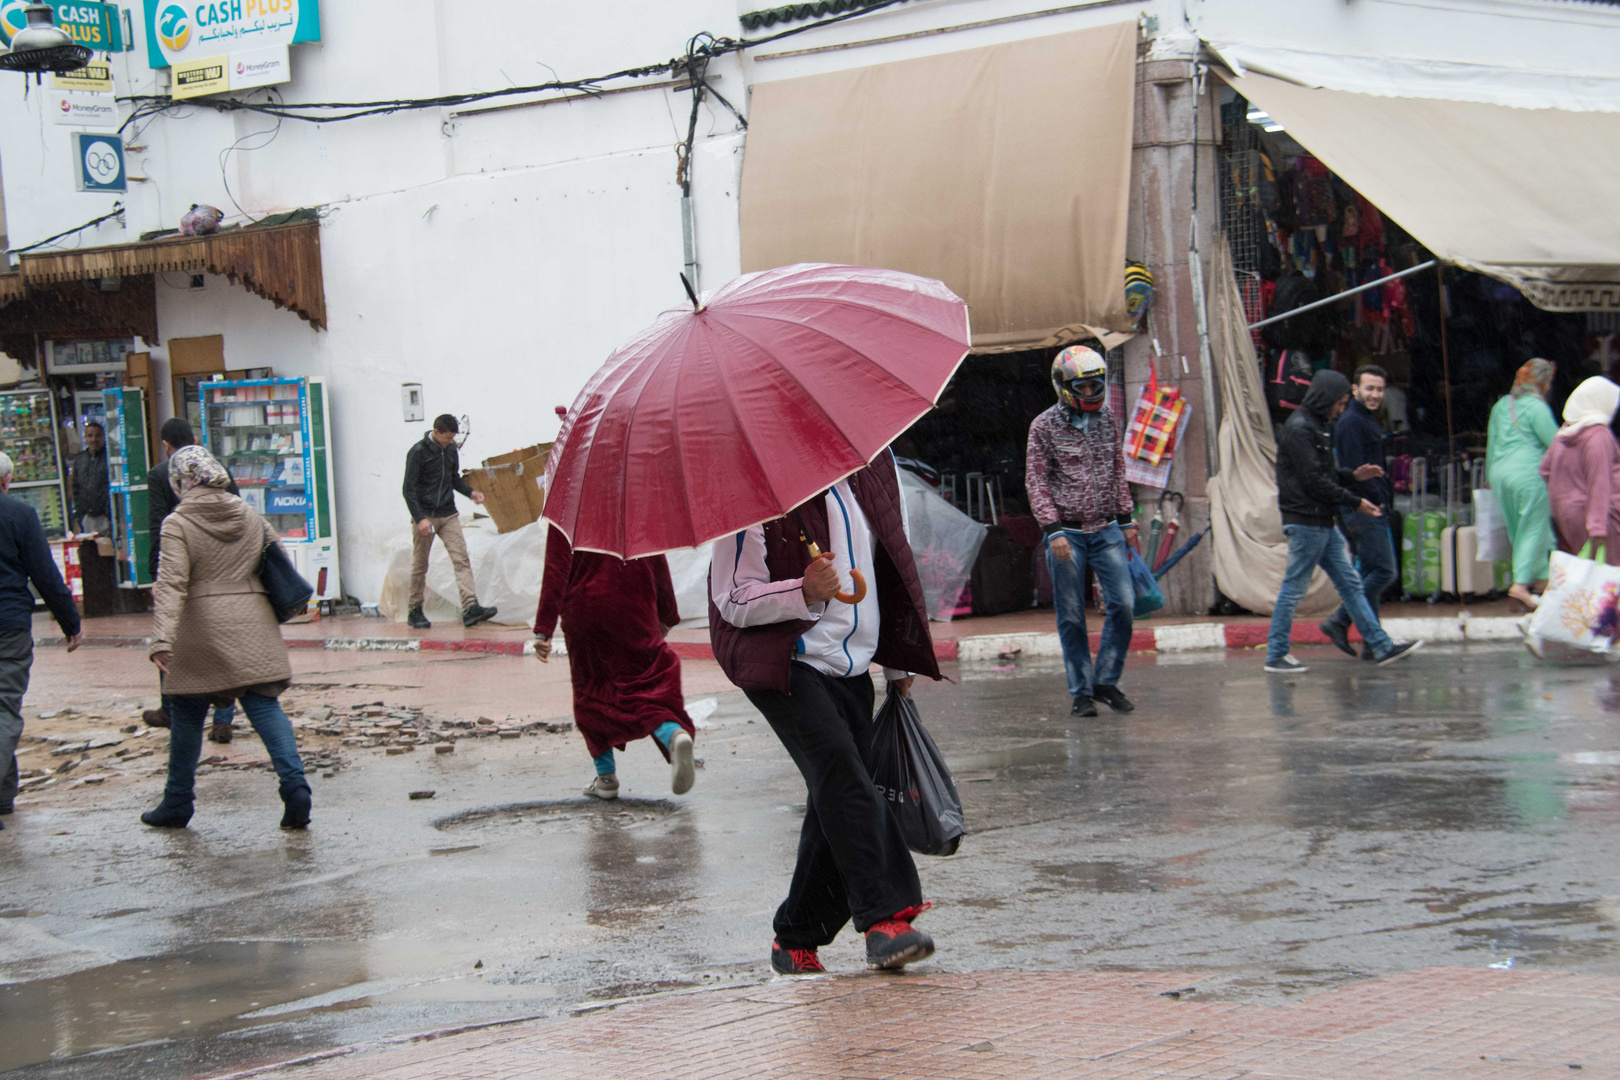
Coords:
1241,216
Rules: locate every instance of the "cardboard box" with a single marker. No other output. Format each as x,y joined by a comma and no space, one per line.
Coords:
512,457
513,495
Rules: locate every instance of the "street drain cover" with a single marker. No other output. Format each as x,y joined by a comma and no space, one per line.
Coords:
549,810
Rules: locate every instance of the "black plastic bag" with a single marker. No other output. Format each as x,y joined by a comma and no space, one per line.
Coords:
913,779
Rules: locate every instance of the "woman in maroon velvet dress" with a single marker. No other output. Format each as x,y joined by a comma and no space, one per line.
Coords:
627,680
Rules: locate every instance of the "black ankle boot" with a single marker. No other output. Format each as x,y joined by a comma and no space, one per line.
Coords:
172,813
297,801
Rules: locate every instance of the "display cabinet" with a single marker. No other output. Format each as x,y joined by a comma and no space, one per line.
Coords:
273,435
127,463
28,437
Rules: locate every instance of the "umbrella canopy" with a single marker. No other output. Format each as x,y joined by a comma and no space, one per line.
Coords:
736,410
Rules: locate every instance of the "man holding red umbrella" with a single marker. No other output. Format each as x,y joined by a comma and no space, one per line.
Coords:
785,634
773,400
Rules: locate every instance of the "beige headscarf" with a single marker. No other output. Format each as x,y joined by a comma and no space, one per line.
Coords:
192,466
1593,404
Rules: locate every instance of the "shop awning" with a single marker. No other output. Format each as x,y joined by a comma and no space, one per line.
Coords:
281,263
1526,195
1003,171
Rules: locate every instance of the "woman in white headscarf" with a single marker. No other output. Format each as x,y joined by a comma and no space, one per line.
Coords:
215,636
1582,470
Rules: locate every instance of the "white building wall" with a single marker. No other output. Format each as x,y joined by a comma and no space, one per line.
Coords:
498,257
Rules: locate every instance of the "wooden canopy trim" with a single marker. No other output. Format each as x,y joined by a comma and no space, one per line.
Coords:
78,310
11,288
281,263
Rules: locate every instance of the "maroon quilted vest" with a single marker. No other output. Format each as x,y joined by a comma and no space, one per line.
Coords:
759,658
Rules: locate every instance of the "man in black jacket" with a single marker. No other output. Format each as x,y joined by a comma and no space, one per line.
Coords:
1358,441
1310,490
24,556
432,478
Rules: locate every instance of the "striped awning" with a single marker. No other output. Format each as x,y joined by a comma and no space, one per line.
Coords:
281,263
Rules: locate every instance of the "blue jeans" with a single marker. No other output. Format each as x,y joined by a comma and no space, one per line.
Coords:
1310,546
223,714
1375,559
1104,552
186,718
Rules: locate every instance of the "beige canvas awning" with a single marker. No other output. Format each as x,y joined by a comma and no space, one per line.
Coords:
1003,171
1524,195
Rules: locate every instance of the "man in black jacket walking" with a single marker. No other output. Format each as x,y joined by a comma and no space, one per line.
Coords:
432,478
1311,488
24,557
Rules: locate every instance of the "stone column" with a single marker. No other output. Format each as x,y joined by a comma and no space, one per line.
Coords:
1166,156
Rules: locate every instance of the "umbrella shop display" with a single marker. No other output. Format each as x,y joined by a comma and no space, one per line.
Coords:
1155,531
737,409
1172,525
1168,564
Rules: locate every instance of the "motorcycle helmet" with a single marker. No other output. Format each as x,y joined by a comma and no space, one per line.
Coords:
1080,377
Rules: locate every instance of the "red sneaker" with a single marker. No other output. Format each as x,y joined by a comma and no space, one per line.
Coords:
795,961
892,943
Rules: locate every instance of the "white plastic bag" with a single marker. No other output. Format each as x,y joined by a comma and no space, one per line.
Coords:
1491,527
507,569
1579,608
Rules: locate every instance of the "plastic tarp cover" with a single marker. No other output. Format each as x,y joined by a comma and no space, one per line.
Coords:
1251,552
508,569
945,542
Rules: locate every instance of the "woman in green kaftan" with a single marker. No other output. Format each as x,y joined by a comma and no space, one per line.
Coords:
1522,428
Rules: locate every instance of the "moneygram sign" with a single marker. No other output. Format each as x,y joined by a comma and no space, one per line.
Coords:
178,31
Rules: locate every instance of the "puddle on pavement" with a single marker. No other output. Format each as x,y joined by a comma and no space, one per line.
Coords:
547,811
216,988
1043,752
1103,876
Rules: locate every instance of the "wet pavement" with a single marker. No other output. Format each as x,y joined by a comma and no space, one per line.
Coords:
1277,836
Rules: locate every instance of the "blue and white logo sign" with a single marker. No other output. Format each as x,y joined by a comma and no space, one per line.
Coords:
182,30
12,19
101,162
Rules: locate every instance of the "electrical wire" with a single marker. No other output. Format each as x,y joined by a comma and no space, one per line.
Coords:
237,147
116,212
324,112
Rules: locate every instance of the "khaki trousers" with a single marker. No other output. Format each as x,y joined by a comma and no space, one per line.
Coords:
447,529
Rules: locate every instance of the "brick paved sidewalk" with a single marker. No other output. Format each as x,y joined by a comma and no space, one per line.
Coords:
1438,1022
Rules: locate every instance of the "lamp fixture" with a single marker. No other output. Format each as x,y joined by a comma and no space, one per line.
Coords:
42,46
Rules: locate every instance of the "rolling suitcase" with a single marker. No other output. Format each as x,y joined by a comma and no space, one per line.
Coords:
1420,541
1461,574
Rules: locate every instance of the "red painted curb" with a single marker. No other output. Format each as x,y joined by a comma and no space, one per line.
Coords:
500,648
692,650
1238,636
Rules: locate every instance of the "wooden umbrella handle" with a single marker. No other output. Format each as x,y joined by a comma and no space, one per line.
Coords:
859,578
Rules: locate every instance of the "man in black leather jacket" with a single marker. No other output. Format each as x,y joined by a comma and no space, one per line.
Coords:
432,478
1310,490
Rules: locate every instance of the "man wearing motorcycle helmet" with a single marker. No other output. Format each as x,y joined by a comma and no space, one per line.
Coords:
1075,473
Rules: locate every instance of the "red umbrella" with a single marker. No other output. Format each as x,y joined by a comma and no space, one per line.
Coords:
734,411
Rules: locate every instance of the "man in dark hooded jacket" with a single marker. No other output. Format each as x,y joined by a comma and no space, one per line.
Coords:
1311,488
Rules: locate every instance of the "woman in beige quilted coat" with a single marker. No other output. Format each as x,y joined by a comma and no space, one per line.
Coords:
215,636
